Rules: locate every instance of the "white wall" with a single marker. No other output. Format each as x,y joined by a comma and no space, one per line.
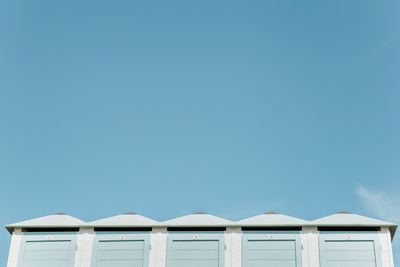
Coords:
233,247
386,246
310,246
158,247
14,248
84,246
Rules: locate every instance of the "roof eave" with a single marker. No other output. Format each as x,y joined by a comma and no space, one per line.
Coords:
10,228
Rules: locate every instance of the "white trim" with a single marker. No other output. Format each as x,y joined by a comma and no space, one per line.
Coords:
158,247
386,247
310,252
304,248
15,246
84,247
233,247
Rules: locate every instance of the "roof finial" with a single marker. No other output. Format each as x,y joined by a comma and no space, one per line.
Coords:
344,212
130,213
271,212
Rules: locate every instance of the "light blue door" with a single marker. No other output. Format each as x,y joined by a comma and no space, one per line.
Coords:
271,249
195,250
121,250
355,249
47,250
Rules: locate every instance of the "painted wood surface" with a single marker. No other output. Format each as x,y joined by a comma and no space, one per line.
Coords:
271,249
310,246
233,247
121,250
15,247
195,250
158,242
47,250
352,249
84,247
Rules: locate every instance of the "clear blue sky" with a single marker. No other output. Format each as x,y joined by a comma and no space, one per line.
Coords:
170,107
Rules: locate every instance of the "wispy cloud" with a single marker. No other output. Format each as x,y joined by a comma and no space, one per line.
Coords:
385,205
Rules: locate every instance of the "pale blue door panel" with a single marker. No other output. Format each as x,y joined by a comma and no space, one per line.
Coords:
349,245
47,250
270,263
120,263
349,250
197,253
121,244
40,252
350,264
271,253
195,244
271,249
120,250
35,245
274,254
265,244
46,264
195,250
194,263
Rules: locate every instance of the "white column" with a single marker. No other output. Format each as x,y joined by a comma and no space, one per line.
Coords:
233,247
15,246
386,246
158,245
310,246
84,247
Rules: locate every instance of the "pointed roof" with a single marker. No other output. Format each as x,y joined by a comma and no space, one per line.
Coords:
129,219
271,219
345,218
197,219
58,220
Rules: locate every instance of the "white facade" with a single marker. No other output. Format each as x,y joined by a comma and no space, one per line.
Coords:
309,233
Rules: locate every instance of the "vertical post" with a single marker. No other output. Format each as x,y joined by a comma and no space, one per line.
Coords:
310,246
233,247
386,247
84,247
15,246
158,247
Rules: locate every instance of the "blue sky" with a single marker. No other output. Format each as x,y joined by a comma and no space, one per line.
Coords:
170,107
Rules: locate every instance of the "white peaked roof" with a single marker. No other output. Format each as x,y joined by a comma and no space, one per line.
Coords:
201,219
271,219
345,218
58,220
197,219
129,219
349,219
